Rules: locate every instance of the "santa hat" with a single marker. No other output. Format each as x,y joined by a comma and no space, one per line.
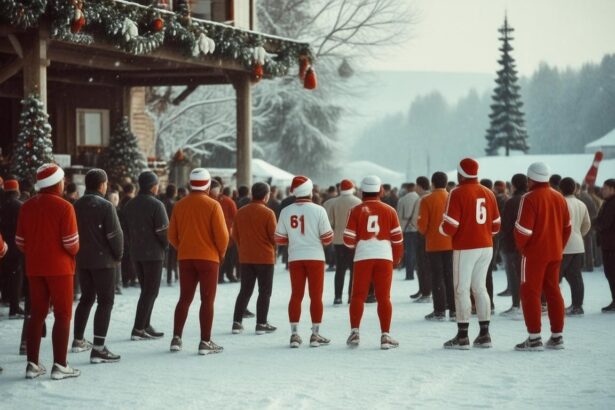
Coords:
346,187
301,186
371,184
48,175
468,168
200,180
11,185
539,172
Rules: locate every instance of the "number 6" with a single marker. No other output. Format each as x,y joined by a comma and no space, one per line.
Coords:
481,211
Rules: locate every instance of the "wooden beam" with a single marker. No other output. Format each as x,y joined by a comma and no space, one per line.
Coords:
35,65
16,45
242,86
10,70
184,94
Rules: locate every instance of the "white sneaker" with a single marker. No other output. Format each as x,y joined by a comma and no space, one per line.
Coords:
34,370
387,342
59,372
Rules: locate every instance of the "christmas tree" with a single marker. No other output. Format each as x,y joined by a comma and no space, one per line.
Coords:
122,158
507,128
33,146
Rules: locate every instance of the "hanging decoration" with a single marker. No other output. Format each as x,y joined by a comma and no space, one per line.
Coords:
203,45
259,55
129,29
257,73
304,63
78,17
158,24
310,82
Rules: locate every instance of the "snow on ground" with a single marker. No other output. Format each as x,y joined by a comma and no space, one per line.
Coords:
263,372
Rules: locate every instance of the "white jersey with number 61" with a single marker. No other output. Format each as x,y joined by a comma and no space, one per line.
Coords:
305,228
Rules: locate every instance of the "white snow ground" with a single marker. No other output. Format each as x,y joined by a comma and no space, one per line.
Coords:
263,372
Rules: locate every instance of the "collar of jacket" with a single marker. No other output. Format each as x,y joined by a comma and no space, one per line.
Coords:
540,185
302,200
96,193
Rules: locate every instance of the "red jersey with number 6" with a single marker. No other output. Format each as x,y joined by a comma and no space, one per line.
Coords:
373,230
471,217
305,228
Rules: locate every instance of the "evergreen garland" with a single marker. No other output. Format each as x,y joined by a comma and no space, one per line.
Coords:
23,14
33,146
507,128
123,158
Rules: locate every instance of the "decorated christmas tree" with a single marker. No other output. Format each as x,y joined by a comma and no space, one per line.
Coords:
507,128
33,146
122,158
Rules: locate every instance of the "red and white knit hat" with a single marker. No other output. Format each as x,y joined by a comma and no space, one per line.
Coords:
301,186
200,180
346,187
371,184
48,175
468,168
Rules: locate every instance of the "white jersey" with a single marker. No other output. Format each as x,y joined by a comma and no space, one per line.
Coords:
305,226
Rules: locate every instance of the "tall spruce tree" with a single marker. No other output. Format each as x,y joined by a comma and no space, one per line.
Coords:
507,128
122,158
33,146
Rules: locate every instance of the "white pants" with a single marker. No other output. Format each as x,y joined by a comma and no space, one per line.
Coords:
470,272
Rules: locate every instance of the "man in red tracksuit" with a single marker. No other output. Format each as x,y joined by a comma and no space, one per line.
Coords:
373,231
47,235
541,231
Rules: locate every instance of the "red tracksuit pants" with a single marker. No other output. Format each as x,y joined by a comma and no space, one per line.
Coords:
314,273
538,277
192,273
380,271
56,291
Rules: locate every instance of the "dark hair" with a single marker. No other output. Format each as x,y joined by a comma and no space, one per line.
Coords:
519,181
93,179
182,191
423,182
386,187
243,191
226,191
171,191
567,186
487,183
610,183
259,191
410,185
555,180
71,187
219,179
439,179
129,188
215,184
370,194
330,190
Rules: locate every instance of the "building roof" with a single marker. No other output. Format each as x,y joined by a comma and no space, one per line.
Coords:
607,141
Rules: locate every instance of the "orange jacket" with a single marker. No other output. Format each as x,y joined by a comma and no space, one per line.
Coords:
543,224
431,209
471,217
197,229
253,232
229,209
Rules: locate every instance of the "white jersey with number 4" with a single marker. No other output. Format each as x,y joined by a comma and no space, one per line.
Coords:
304,226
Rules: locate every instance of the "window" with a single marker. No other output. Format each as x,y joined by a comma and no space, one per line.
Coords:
92,127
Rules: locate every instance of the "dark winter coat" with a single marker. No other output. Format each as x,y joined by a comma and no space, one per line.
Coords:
146,227
509,217
605,225
9,212
101,241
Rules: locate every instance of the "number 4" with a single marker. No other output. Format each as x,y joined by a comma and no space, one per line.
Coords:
372,224
481,211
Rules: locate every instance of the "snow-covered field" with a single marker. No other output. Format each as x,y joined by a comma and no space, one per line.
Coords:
262,372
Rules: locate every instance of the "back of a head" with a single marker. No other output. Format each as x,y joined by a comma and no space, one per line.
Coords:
129,188
610,183
386,187
93,179
487,183
147,180
423,182
171,191
567,186
555,180
519,181
243,191
71,187
260,191
226,191
439,180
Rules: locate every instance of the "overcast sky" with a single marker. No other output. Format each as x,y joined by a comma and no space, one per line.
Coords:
461,35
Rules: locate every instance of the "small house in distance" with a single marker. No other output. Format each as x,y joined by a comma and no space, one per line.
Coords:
605,144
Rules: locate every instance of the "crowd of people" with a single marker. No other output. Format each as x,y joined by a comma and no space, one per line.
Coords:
57,248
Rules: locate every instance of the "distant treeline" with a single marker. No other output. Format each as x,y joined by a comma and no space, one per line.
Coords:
564,110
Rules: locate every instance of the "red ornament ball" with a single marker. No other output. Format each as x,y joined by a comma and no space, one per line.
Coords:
258,72
310,82
158,24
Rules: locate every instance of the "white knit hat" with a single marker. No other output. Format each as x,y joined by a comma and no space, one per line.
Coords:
200,180
371,184
301,186
539,172
48,175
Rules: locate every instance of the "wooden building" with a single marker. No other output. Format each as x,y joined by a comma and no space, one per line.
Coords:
90,61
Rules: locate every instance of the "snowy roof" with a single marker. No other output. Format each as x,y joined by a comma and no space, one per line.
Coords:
566,165
356,170
261,168
608,140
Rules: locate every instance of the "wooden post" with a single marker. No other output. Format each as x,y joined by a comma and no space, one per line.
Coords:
35,66
242,86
